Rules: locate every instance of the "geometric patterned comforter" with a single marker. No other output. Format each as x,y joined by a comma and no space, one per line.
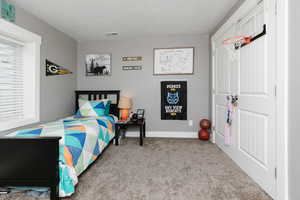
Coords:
83,140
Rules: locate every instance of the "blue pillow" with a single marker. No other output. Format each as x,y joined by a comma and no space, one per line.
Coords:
93,108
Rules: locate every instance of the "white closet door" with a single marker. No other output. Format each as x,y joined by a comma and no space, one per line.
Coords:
250,74
225,76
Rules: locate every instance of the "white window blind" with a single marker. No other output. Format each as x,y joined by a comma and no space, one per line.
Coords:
19,76
11,81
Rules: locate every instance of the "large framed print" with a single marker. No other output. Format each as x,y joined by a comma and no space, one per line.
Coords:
174,100
98,64
173,61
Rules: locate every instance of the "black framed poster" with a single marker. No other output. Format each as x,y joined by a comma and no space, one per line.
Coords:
174,100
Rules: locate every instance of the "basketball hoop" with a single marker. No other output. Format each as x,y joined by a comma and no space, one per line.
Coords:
237,41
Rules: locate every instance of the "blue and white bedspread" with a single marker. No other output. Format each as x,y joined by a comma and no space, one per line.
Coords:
83,140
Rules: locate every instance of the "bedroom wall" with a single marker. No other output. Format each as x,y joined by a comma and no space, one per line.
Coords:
142,85
57,92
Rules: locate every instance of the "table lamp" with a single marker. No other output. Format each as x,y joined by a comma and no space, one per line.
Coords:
125,105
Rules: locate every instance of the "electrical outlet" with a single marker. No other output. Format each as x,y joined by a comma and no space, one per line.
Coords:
190,122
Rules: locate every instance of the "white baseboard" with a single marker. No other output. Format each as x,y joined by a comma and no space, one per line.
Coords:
163,134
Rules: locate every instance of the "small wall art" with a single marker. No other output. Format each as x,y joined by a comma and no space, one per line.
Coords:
53,69
128,68
132,58
7,11
174,100
98,64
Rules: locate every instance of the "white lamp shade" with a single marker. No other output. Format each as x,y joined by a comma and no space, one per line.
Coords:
125,103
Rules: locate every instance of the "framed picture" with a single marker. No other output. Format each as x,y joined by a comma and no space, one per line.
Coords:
173,61
140,113
173,100
98,65
7,11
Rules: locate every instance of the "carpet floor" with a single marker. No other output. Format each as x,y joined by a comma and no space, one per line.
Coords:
163,169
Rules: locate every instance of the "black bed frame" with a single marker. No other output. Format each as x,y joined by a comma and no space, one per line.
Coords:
33,161
95,95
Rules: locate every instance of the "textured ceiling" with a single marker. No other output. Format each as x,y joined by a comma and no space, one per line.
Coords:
92,19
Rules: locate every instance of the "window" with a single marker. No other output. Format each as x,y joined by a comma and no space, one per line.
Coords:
11,81
19,76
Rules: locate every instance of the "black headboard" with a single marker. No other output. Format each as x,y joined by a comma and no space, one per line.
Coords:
113,95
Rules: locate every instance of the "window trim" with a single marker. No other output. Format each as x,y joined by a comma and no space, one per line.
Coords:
32,43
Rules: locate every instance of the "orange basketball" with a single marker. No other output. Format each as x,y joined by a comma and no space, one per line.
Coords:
205,124
203,134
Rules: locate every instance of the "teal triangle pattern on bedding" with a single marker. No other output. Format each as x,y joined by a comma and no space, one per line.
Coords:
93,108
31,132
80,137
102,123
97,150
83,140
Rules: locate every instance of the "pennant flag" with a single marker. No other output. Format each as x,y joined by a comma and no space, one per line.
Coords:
53,69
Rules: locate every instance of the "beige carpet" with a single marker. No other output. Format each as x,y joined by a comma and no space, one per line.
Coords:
163,169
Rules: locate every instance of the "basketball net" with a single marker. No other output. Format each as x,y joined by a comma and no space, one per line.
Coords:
235,43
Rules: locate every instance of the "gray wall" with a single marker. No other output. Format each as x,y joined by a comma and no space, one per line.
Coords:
142,85
57,93
294,99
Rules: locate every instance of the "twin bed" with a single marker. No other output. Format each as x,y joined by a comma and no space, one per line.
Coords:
54,154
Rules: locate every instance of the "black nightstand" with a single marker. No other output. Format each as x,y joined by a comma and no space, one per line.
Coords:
123,126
